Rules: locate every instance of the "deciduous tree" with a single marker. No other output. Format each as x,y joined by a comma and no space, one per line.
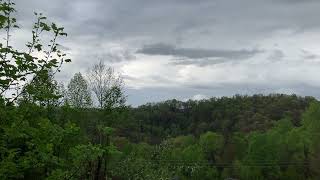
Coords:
106,85
79,95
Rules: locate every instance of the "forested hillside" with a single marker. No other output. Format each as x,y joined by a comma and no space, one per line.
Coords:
169,140
87,131
224,115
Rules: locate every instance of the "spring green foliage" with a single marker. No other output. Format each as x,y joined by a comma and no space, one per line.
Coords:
72,144
42,90
242,137
154,122
282,152
16,66
78,92
37,140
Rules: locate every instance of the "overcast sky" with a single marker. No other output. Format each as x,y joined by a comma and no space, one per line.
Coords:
190,48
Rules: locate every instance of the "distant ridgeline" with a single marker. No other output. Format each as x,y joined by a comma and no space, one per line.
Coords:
154,122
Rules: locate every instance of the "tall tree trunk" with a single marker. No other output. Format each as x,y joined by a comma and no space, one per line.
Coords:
97,173
105,169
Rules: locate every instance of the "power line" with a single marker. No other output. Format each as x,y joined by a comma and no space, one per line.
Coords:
204,163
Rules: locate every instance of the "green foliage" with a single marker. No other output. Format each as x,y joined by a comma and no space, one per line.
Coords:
79,95
157,121
43,90
281,152
211,142
33,147
17,66
114,97
106,130
310,139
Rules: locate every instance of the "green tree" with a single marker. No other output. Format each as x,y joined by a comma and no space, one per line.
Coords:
31,145
310,130
79,95
17,66
43,90
212,144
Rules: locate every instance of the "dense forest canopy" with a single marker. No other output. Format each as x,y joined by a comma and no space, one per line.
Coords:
51,132
224,115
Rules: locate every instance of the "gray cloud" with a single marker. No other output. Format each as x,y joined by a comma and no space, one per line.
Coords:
199,62
309,55
201,33
276,55
295,1
196,53
176,19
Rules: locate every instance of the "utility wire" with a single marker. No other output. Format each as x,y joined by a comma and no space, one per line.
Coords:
203,163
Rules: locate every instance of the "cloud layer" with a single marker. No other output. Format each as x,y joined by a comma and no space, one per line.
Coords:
183,48
193,53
